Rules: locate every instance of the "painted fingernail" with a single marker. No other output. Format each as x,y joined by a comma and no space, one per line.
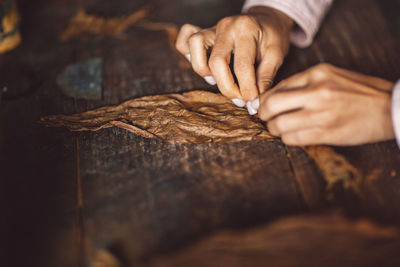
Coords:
238,102
255,103
210,80
250,109
189,58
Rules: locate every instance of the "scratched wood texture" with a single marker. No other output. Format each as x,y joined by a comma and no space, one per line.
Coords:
71,197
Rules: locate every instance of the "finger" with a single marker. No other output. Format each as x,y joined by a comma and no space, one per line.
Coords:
245,56
198,53
295,82
267,68
360,79
285,101
310,136
298,120
182,44
298,80
219,66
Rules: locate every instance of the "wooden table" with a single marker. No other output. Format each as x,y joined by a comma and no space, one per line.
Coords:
67,194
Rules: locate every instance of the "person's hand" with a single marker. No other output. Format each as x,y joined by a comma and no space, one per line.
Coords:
329,105
261,36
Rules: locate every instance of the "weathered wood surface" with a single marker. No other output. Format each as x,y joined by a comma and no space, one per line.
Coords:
316,240
70,196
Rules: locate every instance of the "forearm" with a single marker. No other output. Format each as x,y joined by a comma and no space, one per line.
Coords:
307,14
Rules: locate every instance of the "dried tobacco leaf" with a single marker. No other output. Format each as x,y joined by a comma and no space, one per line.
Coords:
83,23
336,170
112,27
194,117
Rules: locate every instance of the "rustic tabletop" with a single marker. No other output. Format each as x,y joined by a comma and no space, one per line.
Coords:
69,195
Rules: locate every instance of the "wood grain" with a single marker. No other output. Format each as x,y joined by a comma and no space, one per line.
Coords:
141,198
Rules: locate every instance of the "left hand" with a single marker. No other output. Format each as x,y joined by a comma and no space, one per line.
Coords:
261,36
329,105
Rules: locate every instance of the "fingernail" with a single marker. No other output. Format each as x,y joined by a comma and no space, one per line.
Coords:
255,103
250,109
210,80
238,102
189,58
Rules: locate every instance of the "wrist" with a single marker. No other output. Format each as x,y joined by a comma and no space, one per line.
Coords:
271,12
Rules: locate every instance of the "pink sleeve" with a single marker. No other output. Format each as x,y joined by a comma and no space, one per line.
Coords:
307,14
396,111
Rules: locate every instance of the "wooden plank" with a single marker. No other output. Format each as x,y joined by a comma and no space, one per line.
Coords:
308,177
144,196
378,194
332,240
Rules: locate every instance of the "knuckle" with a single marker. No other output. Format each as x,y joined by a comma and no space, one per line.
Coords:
265,82
227,21
240,67
321,71
245,22
187,27
215,61
326,92
329,118
200,69
325,65
196,38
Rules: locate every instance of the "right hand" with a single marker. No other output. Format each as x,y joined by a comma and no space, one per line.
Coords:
261,36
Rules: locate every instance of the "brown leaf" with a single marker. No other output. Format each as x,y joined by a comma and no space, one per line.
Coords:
109,27
336,170
194,117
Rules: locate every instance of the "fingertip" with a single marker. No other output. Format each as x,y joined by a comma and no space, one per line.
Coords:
210,80
255,103
250,109
238,102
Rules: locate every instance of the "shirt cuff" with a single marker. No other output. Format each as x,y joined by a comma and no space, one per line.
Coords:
307,14
396,111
